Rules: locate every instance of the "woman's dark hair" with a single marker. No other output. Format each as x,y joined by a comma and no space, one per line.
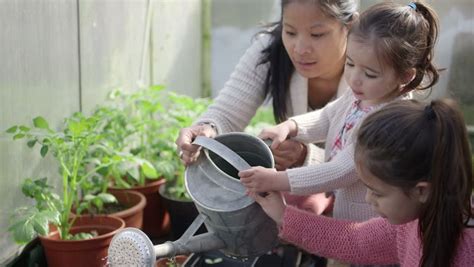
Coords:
407,142
404,37
281,68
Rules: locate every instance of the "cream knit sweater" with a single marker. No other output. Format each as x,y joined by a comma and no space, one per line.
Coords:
244,93
339,174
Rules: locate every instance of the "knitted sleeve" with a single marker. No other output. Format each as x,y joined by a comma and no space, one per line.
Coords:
314,155
370,242
314,126
242,94
325,177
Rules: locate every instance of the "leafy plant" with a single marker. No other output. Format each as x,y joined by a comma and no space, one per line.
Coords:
262,119
70,147
152,118
183,110
131,128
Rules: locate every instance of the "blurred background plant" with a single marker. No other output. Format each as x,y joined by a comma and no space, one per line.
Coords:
262,119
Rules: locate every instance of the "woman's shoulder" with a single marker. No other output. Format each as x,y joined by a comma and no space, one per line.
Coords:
261,39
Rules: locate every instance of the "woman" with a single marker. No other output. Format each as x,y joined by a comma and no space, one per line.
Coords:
297,62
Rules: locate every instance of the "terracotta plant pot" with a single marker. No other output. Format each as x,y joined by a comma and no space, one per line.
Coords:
135,203
78,253
166,262
156,221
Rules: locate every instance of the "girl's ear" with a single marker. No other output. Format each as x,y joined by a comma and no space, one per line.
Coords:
407,77
422,191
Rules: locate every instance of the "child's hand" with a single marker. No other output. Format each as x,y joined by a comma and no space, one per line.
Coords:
279,133
288,154
272,204
260,179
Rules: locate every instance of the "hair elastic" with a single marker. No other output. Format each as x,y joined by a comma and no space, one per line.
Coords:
429,113
412,5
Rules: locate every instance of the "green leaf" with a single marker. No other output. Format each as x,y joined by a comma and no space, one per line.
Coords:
134,173
77,128
23,232
98,203
107,198
52,216
28,188
40,224
89,197
40,122
12,129
24,128
31,143
83,206
44,151
157,88
149,170
167,169
80,236
42,183
18,136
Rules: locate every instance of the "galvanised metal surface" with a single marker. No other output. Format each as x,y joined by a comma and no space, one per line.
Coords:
214,186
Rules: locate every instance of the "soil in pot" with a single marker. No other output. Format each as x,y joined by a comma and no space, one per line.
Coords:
129,207
78,253
177,261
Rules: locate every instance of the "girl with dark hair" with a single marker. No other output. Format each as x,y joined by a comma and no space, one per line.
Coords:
389,53
415,161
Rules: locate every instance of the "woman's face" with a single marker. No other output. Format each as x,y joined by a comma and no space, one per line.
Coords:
315,42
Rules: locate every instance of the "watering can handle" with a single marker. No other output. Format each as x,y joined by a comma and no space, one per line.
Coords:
223,151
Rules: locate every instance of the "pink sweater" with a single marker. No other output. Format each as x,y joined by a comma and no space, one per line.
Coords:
372,242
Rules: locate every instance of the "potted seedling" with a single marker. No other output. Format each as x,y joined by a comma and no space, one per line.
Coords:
139,126
68,239
116,168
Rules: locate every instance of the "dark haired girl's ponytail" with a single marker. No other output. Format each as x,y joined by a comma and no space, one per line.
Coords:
448,207
426,66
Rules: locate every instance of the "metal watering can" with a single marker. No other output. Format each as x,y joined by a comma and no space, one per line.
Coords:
236,224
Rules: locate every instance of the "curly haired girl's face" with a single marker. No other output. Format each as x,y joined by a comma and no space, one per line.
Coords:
316,43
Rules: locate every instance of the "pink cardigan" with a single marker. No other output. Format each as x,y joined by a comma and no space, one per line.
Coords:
371,242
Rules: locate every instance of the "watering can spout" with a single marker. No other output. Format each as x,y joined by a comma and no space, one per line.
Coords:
196,244
188,243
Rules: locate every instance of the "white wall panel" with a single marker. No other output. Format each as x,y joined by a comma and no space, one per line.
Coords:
39,76
112,36
176,50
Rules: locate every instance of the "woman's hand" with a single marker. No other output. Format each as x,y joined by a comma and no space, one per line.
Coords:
272,204
189,152
260,180
289,153
279,133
